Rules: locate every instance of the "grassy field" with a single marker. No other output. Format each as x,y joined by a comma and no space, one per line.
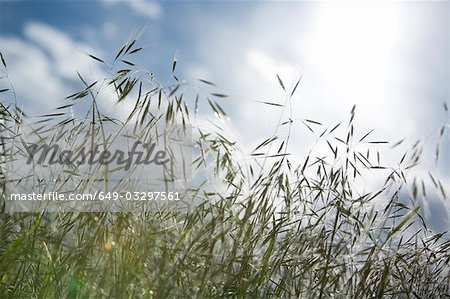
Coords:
275,230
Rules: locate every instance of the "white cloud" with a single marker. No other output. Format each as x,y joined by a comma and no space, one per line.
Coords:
31,74
147,8
266,66
42,68
68,56
349,53
150,9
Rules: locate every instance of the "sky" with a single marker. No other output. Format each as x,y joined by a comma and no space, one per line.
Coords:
389,58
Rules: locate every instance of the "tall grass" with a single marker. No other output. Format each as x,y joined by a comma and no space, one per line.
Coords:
275,229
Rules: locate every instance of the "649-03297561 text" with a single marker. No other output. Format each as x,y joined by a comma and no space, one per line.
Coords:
100,196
